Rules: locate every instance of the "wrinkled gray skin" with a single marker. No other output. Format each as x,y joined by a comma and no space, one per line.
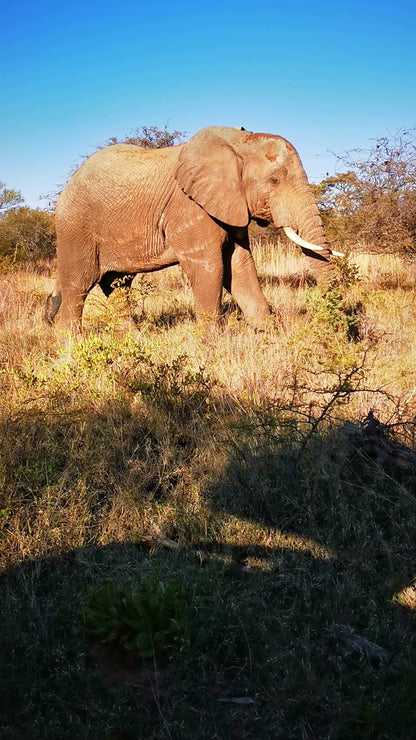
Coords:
129,210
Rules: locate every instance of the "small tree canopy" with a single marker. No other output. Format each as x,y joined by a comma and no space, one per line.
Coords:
9,198
374,200
26,235
149,137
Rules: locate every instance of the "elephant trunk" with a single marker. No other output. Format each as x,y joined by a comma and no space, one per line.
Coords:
302,223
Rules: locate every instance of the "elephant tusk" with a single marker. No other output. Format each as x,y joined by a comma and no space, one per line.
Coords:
293,236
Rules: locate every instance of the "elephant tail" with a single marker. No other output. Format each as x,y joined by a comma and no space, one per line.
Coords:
53,303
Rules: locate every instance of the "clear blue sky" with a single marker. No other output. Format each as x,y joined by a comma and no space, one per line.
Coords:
327,75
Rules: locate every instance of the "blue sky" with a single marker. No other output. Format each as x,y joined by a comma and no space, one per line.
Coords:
329,76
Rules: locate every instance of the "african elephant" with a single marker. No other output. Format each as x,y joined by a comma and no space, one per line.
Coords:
129,210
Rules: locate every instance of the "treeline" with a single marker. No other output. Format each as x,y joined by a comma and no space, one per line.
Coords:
370,204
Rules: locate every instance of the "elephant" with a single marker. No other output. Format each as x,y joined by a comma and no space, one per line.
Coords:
130,210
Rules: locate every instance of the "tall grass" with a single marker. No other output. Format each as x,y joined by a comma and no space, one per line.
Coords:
271,474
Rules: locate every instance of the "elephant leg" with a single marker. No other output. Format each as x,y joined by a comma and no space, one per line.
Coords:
206,278
196,240
72,305
240,279
74,287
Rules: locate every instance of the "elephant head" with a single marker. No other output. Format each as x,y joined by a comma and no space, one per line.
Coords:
237,176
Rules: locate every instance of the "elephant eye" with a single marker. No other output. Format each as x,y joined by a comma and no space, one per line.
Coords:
274,181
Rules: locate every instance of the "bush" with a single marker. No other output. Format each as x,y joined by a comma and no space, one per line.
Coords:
26,235
374,200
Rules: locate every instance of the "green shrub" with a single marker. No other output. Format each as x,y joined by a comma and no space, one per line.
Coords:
348,272
332,310
148,621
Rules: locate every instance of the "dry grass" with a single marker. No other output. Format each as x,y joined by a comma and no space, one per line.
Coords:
234,460
387,271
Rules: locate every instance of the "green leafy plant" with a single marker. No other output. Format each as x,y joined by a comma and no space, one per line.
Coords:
348,272
148,621
332,309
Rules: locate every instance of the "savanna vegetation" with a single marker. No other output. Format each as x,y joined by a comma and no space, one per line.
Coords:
211,535
371,203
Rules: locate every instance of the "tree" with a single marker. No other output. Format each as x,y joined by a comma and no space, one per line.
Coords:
374,200
9,198
149,137
26,235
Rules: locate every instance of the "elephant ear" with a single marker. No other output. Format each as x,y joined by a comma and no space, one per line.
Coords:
209,172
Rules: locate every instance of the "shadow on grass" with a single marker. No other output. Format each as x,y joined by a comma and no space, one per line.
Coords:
294,631
297,280
167,318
